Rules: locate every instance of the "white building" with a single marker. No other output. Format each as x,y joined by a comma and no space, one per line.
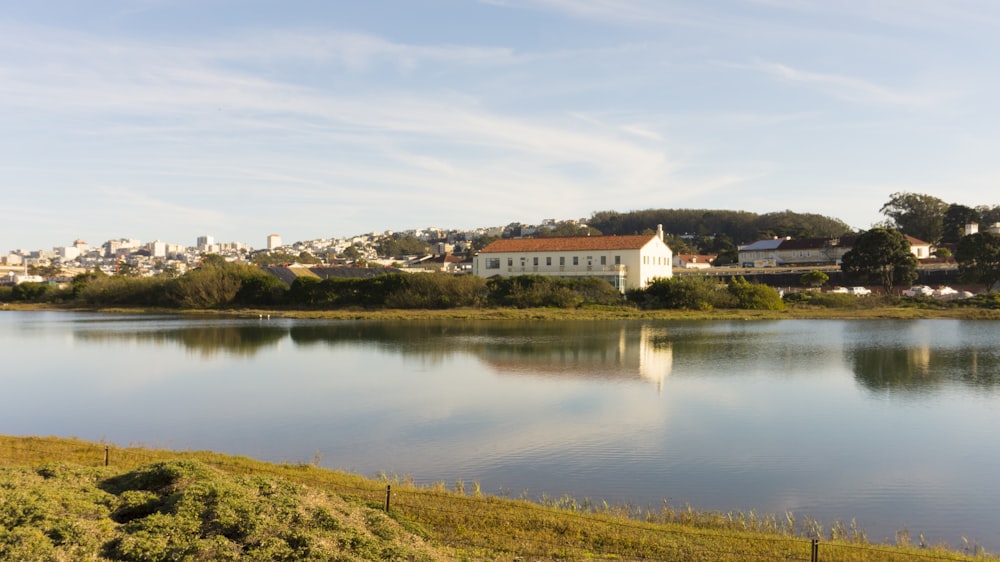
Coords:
67,253
627,262
273,242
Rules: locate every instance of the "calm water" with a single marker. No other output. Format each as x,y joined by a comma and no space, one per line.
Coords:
892,423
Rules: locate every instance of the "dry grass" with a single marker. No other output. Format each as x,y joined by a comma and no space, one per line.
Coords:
435,523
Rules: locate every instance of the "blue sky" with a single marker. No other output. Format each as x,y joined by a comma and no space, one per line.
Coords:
169,119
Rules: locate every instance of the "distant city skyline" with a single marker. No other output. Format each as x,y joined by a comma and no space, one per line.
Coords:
240,118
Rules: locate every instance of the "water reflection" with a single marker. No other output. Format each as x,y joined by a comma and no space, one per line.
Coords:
609,350
625,351
914,357
205,341
923,369
923,357
773,416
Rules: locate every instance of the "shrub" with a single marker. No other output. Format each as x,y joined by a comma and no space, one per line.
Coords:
438,290
688,292
105,290
30,291
528,291
754,296
826,300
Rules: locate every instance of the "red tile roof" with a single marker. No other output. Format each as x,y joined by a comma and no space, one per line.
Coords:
916,241
569,244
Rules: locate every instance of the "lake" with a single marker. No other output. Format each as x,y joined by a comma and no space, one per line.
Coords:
889,422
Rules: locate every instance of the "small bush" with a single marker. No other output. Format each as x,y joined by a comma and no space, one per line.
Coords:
826,300
531,291
754,296
687,292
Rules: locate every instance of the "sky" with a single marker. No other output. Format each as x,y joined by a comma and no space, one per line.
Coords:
171,119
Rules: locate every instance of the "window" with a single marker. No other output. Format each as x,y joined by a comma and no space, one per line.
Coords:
548,260
576,260
492,263
510,262
604,260
618,260
534,261
562,260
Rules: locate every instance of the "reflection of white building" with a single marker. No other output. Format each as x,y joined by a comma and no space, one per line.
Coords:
626,262
641,353
656,358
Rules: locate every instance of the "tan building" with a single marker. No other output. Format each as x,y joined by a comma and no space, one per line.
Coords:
626,262
790,252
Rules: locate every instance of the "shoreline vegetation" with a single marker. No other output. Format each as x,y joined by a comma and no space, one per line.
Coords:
68,499
866,308
221,287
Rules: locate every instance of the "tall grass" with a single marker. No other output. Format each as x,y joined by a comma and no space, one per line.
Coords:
58,501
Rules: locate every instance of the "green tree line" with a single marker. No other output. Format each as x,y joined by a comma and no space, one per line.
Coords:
217,284
739,226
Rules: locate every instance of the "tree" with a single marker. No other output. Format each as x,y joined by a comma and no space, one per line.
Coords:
725,250
916,214
480,242
989,215
678,245
978,257
814,278
352,252
881,256
955,219
47,271
568,229
391,246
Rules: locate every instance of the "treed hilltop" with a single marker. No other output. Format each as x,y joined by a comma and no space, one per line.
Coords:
712,236
690,231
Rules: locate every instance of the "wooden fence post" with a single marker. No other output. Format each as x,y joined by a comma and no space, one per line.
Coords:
815,551
388,492
106,455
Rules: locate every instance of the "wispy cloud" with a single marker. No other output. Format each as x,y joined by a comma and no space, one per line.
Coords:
917,14
624,11
850,88
197,114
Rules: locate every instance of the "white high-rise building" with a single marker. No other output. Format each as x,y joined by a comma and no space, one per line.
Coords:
273,241
158,249
205,241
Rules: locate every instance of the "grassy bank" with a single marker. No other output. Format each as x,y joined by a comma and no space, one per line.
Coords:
864,309
58,501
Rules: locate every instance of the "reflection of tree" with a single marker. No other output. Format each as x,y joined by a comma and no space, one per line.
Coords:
923,369
243,340
900,368
454,335
577,349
